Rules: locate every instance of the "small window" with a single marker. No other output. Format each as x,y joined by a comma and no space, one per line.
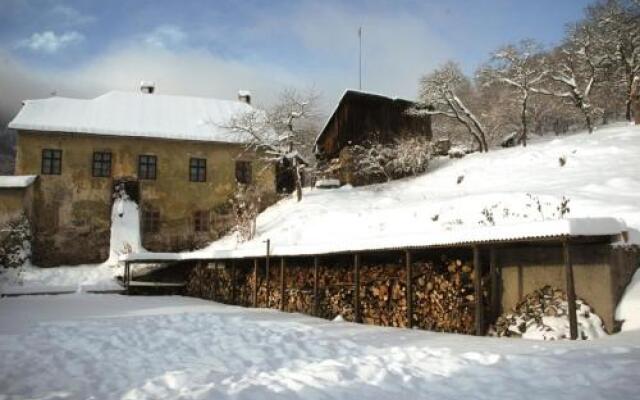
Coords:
151,221
51,162
147,167
201,221
198,170
243,172
101,164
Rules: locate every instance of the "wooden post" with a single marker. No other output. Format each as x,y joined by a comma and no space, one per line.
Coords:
233,282
571,290
255,282
125,276
356,294
495,285
266,267
316,299
409,293
282,294
477,281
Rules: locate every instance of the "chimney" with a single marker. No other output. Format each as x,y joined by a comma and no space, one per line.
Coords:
147,87
244,96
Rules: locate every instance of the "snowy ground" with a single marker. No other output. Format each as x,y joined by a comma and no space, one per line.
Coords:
596,174
118,347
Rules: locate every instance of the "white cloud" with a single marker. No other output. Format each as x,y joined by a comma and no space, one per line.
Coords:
50,42
165,36
69,16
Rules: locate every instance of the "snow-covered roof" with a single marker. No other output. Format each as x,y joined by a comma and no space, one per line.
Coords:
16,181
136,114
533,231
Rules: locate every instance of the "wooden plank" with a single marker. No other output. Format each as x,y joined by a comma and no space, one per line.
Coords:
266,267
477,281
255,282
495,285
409,283
571,289
316,299
282,289
356,295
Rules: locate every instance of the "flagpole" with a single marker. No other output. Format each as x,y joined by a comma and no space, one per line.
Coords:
360,58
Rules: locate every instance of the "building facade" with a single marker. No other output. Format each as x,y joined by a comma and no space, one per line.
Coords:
181,171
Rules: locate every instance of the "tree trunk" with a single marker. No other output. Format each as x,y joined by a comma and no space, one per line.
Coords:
523,119
298,181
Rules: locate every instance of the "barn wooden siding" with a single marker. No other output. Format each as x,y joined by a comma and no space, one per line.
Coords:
361,117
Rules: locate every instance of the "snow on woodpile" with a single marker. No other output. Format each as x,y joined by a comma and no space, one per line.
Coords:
16,181
136,114
511,192
629,307
543,315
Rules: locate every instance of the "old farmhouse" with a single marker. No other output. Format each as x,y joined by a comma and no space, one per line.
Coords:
176,156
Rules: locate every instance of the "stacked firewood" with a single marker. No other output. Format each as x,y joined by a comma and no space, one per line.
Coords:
299,289
444,298
544,315
210,282
384,295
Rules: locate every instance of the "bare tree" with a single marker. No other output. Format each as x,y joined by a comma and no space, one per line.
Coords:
520,67
440,90
576,66
281,133
617,24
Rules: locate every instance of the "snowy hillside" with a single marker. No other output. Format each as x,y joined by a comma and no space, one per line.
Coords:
594,175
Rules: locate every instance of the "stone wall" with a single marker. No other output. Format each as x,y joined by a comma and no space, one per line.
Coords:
72,211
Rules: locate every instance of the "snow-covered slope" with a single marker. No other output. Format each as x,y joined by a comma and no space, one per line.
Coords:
595,175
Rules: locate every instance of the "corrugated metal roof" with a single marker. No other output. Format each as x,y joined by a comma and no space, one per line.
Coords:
535,231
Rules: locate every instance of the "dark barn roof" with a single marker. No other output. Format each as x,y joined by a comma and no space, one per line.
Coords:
361,116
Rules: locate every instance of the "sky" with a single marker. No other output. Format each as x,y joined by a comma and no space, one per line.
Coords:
214,48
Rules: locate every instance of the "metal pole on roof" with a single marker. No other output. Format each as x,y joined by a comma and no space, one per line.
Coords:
360,58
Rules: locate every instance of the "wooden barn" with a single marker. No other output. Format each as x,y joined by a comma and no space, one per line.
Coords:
360,117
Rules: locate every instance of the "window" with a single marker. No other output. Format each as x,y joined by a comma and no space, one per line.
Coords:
198,170
101,164
51,162
243,172
201,221
150,221
147,167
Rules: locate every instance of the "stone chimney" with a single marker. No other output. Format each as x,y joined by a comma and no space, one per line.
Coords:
147,87
244,96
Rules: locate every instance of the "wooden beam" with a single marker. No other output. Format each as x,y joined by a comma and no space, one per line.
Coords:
282,293
316,299
356,295
255,282
496,284
233,282
266,267
571,289
477,282
409,284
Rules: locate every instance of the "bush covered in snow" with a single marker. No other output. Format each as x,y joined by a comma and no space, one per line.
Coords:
15,242
543,315
246,205
377,162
